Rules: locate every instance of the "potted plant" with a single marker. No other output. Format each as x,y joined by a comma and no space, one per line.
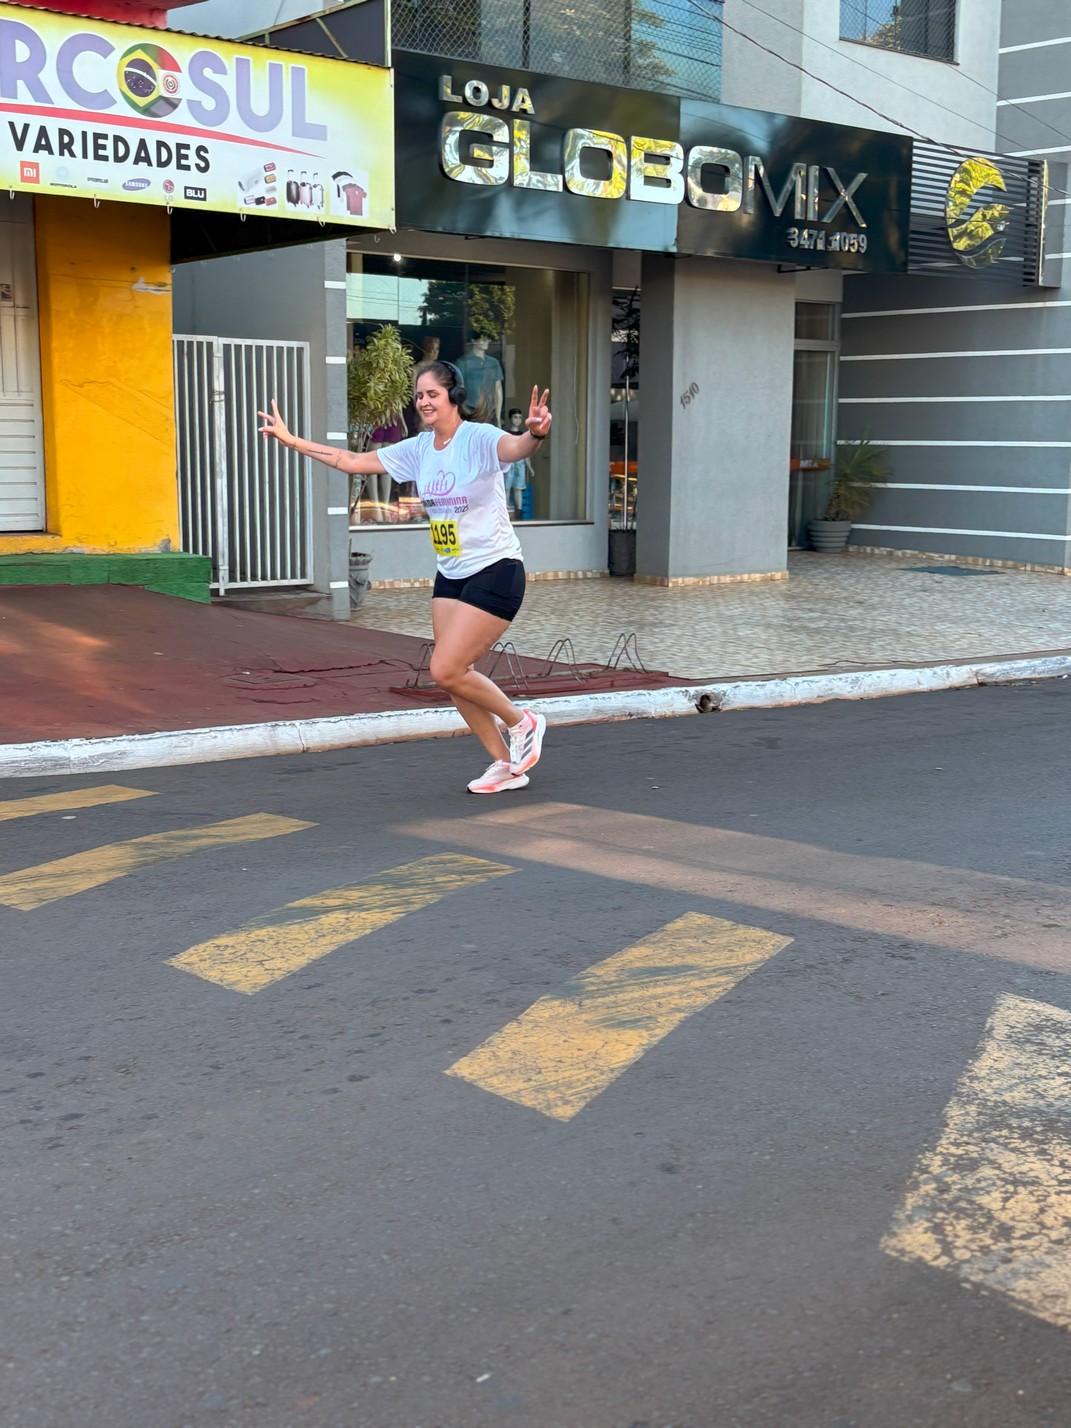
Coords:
379,386
860,467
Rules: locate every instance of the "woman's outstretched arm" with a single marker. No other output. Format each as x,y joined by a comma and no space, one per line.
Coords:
354,463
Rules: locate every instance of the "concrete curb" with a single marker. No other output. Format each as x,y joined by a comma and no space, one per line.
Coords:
298,736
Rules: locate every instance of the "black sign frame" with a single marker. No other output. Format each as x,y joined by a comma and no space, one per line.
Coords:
829,216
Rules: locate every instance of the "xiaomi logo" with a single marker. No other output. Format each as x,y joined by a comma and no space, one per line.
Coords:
29,172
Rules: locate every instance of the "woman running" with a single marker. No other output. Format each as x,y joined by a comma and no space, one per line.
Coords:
457,466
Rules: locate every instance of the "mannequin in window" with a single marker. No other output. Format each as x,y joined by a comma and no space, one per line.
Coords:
378,488
517,474
429,352
483,378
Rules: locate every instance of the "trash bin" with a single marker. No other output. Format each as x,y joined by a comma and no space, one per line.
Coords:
622,554
359,579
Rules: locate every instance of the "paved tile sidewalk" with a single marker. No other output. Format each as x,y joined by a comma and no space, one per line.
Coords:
833,612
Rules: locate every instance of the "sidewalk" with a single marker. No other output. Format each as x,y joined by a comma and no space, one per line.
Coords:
109,660
108,677
833,612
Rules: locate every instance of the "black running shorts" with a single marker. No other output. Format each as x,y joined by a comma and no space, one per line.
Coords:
498,589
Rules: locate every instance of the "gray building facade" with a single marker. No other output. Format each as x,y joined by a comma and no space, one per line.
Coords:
750,373
970,382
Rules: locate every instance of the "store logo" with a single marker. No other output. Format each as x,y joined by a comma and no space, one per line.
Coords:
149,80
136,185
441,484
481,148
29,172
196,195
977,234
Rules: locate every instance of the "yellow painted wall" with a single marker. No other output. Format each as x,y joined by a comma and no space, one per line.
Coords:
104,287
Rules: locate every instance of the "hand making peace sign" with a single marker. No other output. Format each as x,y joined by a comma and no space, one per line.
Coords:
538,419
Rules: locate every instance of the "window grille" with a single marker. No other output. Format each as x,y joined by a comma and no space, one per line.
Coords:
673,46
915,27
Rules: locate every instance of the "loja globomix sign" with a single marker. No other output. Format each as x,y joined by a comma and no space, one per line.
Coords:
146,116
512,154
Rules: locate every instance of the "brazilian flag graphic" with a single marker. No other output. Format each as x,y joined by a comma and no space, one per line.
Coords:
149,80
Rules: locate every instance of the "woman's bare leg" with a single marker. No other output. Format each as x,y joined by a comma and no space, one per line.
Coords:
485,726
463,635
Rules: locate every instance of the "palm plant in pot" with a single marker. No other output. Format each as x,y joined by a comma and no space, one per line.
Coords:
861,466
379,386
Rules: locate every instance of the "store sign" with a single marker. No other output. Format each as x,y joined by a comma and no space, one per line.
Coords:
510,154
979,214
147,116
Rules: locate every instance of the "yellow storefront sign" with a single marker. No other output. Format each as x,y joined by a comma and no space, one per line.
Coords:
108,111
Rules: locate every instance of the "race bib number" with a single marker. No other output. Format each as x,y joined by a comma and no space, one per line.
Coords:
444,538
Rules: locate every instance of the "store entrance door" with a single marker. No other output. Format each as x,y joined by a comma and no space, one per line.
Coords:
624,431
813,415
22,467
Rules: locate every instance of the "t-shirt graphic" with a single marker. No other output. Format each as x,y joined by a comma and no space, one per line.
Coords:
461,489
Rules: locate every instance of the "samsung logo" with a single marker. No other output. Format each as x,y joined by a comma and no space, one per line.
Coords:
136,185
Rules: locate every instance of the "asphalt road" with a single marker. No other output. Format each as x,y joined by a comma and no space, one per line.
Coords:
717,1079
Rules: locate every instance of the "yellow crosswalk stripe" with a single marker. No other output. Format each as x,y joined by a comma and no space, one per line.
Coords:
72,798
284,941
31,888
991,1203
568,1047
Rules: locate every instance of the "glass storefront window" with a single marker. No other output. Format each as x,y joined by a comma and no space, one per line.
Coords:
816,322
624,409
506,330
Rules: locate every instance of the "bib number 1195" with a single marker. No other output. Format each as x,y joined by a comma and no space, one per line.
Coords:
444,538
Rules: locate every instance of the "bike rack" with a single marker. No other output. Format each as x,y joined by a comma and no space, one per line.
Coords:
504,663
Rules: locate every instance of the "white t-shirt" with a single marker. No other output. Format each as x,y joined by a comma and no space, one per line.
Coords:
461,489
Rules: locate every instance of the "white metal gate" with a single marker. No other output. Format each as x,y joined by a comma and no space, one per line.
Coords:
22,470
244,500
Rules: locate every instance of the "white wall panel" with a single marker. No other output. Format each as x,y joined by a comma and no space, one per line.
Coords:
22,471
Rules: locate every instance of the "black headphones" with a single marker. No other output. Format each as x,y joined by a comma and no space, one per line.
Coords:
457,393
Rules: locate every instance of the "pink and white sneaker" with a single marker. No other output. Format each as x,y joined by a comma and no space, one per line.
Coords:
526,742
497,779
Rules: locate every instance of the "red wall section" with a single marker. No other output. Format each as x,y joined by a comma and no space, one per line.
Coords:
134,12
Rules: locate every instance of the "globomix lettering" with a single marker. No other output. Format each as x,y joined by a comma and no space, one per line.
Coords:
482,149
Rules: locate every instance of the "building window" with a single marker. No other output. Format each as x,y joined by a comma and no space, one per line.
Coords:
507,330
664,45
914,27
